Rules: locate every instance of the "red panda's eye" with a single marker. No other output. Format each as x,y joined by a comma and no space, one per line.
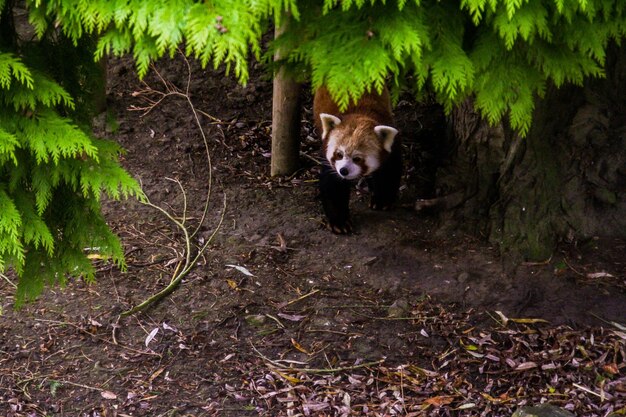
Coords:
338,155
357,159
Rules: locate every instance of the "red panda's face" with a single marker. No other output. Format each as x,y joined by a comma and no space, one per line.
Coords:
356,147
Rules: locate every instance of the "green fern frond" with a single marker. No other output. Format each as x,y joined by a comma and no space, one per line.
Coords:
144,52
527,22
44,92
43,186
11,68
35,232
11,247
329,5
166,27
8,146
51,138
115,41
275,8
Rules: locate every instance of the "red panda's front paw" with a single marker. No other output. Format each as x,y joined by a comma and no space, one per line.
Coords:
343,228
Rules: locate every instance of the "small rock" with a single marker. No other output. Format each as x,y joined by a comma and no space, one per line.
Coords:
543,410
399,308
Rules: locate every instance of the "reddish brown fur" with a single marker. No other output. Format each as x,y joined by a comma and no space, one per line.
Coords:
358,121
364,144
373,106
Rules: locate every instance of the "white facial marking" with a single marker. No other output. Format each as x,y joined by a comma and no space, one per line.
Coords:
345,167
372,164
331,147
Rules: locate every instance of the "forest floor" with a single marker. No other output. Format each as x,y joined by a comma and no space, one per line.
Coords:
280,317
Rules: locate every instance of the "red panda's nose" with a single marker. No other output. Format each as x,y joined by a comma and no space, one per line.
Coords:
344,171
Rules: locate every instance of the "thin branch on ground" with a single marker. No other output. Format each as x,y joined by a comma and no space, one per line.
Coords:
191,254
182,270
282,368
4,277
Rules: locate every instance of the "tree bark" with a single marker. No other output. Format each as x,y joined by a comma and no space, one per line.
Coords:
99,93
285,117
566,180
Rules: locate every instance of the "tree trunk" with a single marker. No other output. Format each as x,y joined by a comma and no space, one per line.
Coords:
285,118
99,93
565,181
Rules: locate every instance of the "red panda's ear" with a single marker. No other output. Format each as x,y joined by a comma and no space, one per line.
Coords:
387,134
328,123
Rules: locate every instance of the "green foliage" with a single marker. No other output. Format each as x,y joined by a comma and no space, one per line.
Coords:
502,52
218,32
53,173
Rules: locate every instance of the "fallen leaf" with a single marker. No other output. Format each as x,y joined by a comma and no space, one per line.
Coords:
475,354
497,400
241,269
291,317
281,242
151,335
96,256
298,346
526,366
95,323
346,399
227,357
504,318
422,371
155,374
289,378
439,400
611,368
168,327
599,275
314,406
108,395
529,321
620,334
619,326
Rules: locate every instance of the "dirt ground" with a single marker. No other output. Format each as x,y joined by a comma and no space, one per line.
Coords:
280,317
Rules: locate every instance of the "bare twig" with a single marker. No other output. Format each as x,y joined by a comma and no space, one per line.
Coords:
80,329
8,280
288,303
183,268
190,259
315,370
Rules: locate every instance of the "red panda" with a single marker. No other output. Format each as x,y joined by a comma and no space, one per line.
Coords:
360,142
